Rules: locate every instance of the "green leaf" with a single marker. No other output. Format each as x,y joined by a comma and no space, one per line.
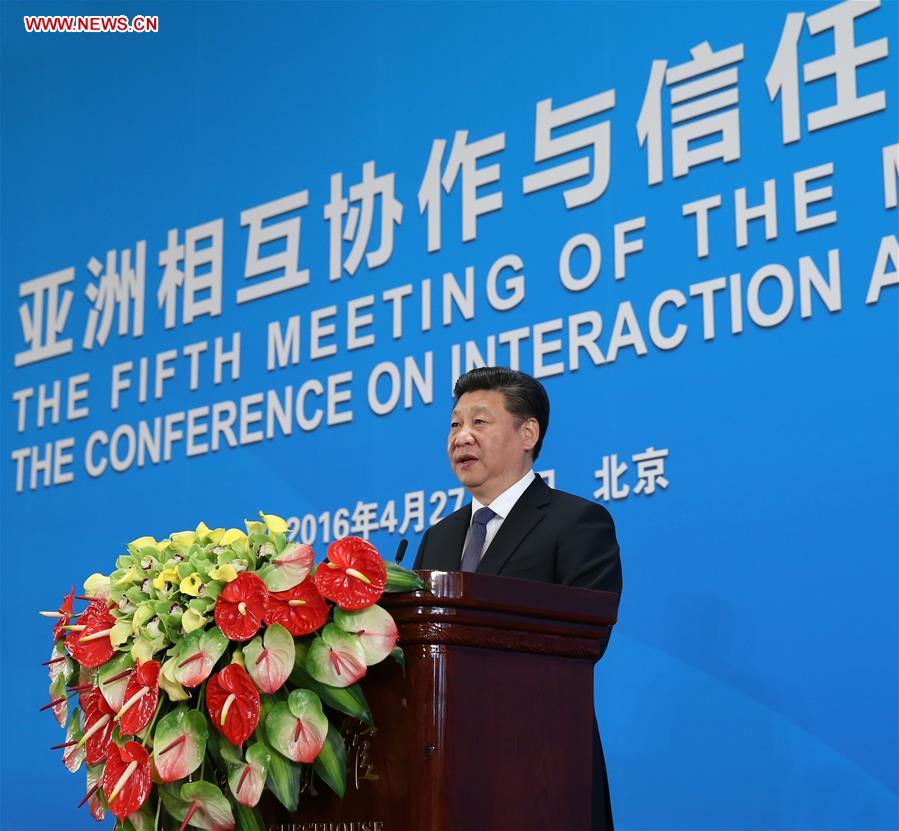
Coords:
349,700
179,743
283,781
400,657
401,579
330,764
249,819
269,659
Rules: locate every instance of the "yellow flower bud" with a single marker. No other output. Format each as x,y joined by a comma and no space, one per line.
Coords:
274,523
192,620
232,535
129,577
191,585
224,572
167,575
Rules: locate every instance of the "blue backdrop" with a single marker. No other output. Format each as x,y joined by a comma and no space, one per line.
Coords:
245,256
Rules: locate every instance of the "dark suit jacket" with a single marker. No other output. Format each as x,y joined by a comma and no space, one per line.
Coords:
551,536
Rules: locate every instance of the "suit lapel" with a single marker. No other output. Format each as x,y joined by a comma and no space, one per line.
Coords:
527,512
449,551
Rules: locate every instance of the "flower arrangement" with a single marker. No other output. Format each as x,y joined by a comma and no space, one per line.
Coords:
205,668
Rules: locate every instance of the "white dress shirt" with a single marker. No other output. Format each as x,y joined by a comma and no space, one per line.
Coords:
501,506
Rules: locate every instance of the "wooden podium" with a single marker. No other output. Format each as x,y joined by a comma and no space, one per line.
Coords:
490,728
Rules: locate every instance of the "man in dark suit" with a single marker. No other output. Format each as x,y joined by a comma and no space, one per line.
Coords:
517,526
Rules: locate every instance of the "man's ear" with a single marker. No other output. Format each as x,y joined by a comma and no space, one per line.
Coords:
530,433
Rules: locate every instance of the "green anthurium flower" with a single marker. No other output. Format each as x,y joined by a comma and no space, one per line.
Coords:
336,657
192,620
179,743
97,585
196,655
210,807
246,779
191,584
375,629
74,755
269,659
298,727
112,679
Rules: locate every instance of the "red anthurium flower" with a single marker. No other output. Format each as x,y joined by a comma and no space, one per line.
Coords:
141,698
65,610
98,724
299,610
126,778
354,574
233,703
240,608
91,646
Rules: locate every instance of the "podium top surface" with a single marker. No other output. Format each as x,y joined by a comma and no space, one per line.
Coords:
511,596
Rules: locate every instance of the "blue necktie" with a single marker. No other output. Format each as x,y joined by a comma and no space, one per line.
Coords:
474,545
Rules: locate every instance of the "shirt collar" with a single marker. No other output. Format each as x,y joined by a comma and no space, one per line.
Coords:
504,503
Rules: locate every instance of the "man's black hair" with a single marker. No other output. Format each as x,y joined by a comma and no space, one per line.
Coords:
524,396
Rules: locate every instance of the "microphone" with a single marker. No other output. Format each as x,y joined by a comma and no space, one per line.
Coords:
401,550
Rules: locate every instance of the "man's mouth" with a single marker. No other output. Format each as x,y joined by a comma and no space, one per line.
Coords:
466,460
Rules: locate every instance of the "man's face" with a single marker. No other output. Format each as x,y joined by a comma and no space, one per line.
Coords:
487,451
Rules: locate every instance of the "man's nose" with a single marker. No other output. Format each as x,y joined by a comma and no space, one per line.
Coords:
463,436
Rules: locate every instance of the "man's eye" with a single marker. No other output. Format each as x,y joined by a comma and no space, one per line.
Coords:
454,425
479,421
